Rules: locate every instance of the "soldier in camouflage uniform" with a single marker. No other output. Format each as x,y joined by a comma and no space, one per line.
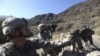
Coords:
51,29
46,31
43,34
17,30
75,38
86,34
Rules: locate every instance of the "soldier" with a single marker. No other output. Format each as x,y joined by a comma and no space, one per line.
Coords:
17,30
75,38
46,31
86,34
51,29
43,34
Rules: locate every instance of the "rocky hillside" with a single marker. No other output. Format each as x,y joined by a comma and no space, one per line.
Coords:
84,13
44,18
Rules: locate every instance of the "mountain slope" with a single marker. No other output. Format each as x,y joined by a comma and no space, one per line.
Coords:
84,13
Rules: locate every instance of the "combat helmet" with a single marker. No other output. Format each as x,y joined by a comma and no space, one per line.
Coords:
11,23
41,27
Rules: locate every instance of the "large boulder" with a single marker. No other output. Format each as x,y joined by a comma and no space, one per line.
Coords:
94,53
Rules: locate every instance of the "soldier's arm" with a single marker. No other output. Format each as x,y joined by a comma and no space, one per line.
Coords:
63,43
58,46
50,44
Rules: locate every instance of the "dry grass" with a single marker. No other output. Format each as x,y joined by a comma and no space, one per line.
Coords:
57,35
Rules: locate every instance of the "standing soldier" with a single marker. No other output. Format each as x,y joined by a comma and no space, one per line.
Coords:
86,35
17,30
43,34
46,31
75,38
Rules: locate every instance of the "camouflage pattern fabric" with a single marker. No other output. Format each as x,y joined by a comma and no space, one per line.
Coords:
29,49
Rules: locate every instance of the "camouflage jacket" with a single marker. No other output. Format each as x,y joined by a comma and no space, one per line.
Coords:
29,49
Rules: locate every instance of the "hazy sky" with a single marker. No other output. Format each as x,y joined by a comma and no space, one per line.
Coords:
31,8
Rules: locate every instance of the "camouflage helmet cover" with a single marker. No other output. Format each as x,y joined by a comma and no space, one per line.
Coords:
41,27
12,23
